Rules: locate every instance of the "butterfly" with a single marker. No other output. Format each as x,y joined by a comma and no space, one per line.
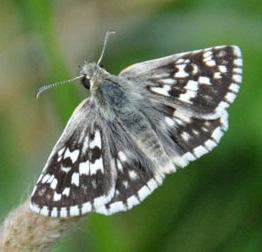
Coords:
135,128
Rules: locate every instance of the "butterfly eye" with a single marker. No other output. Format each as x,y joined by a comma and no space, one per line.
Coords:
86,82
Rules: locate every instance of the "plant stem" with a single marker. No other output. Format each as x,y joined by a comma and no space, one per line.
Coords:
25,231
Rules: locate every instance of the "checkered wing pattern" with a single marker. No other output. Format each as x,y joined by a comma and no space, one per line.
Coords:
203,81
77,177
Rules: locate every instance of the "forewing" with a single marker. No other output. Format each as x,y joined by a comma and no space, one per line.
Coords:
78,177
205,81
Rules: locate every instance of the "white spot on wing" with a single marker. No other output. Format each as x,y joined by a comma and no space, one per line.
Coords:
51,178
75,179
161,90
97,165
152,184
96,141
222,69
159,179
180,61
221,53
195,132
230,97
187,96
217,134
185,136
72,155
103,210
182,116
122,156
132,174
45,178
99,202
192,85
85,145
237,78
119,166
189,156
132,201
168,81
86,207
44,211
210,63
54,212
169,121
125,184
160,75
168,168
195,69
181,72
204,80
210,144
63,212
238,62
54,183
180,161
222,106
143,193
200,151
84,168
208,54
238,70
237,51
66,191
74,211
60,152
117,207
217,75
57,196
234,87
65,169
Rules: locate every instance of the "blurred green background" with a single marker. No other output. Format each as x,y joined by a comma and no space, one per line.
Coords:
213,205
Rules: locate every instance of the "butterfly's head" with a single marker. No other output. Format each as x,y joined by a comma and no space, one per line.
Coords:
92,74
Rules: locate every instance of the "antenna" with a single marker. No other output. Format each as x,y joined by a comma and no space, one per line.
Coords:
55,84
108,33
